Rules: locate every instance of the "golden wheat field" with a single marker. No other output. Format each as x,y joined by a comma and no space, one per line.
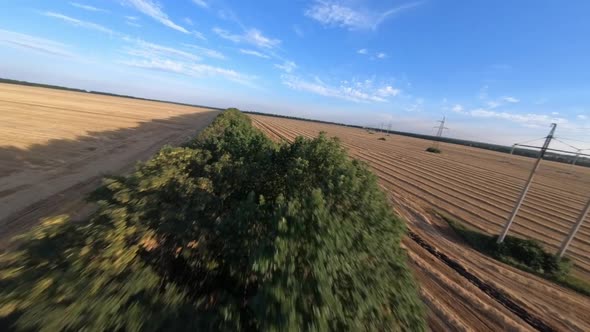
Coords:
478,187
56,145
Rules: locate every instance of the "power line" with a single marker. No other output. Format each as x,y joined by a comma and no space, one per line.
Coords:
571,146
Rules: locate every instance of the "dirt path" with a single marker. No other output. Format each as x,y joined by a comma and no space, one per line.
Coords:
478,187
57,145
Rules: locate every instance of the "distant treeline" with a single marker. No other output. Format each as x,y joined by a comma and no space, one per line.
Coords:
57,87
562,158
552,156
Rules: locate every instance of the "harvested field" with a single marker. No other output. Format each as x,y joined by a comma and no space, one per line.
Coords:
56,145
478,187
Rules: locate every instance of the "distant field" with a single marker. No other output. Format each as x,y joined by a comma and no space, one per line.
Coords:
479,187
55,146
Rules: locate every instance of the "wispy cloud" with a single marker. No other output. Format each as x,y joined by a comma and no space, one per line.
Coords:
198,35
157,57
287,66
582,117
355,91
154,10
254,53
388,91
458,108
493,103
251,36
132,21
373,56
298,31
201,3
197,70
335,14
530,119
188,21
37,44
145,49
511,100
88,8
80,23
207,52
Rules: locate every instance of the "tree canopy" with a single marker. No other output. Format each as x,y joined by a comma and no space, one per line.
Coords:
228,232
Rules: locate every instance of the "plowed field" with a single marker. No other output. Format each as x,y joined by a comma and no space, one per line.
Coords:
478,187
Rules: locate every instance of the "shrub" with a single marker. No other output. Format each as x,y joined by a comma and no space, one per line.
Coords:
229,232
525,254
382,138
433,150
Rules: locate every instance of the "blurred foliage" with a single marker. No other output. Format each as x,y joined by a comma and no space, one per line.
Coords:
433,150
229,232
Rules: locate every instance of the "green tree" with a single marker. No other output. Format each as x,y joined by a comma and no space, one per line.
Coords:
229,232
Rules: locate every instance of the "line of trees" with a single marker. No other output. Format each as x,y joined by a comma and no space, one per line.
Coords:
228,232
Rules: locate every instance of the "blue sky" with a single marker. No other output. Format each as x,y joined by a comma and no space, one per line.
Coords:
500,71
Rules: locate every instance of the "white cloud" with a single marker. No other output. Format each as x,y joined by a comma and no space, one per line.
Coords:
287,66
87,7
189,69
133,24
207,52
255,37
42,45
227,35
493,104
388,91
198,35
381,55
457,108
250,36
355,91
154,10
132,18
509,99
79,23
582,117
530,119
188,21
363,51
157,57
150,50
334,14
254,53
201,3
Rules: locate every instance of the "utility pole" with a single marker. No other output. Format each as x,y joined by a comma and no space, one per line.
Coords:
513,147
528,184
574,230
578,153
439,133
389,129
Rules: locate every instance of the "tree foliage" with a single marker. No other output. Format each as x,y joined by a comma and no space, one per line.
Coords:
229,232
